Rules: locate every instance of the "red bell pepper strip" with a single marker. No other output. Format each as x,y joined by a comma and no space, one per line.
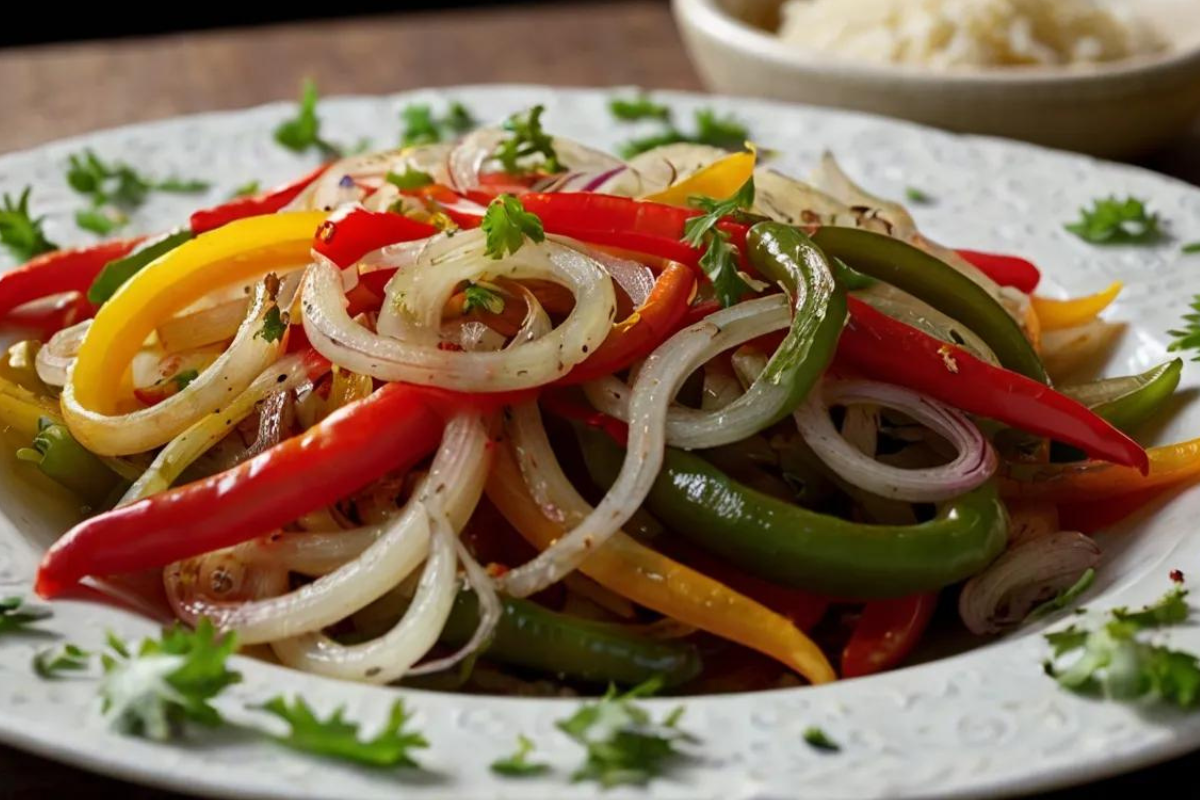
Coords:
1092,517
350,234
1005,270
59,272
51,318
643,331
888,350
886,634
393,429
270,201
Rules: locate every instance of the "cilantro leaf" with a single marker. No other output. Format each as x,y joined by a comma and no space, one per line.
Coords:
336,738
247,189
1113,221
713,130
1188,337
1191,247
1065,597
624,745
49,664
16,616
483,297
506,224
1115,662
21,232
518,764
638,108
151,692
527,139
817,739
720,259
915,195
409,179
181,185
118,271
275,325
422,127
184,379
303,131
100,221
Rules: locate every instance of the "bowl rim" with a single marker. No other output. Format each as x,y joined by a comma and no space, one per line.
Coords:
711,17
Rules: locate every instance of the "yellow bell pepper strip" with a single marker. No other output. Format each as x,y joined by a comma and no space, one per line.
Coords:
719,180
1092,481
21,409
238,252
1055,315
651,579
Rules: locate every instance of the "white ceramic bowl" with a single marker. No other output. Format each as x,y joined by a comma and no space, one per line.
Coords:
1115,110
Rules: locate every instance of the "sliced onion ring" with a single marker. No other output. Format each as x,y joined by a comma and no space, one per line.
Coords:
975,463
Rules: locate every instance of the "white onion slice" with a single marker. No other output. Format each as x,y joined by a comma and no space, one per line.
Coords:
55,359
456,479
975,463
635,279
1002,595
121,434
208,326
425,291
690,428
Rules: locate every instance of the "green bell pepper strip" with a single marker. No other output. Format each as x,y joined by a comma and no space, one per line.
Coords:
64,460
1129,401
536,638
938,284
795,547
118,271
787,256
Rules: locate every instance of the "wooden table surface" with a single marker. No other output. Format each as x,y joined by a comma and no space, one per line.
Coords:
59,90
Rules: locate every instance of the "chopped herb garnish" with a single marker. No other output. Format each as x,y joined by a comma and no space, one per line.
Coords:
116,188
638,108
184,379
817,739
50,664
169,681
1188,337
409,179
1113,221
1064,598
275,324
1192,247
100,221
336,738
20,231
527,139
713,130
915,195
117,272
422,127
518,764
482,297
1114,661
720,259
248,189
16,616
506,224
624,744
303,131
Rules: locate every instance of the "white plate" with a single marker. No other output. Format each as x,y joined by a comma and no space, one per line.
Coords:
984,723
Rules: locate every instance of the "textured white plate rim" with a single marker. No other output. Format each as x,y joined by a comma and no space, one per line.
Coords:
82,745
712,16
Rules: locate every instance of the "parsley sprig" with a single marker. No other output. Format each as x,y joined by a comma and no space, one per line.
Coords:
518,764
20,231
335,737
153,690
720,259
302,132
1188,336
624,744
50,664
711,129
115,189
409,179
1113,221
1118,662
506,224
527,141
638,108
422,127
16,616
